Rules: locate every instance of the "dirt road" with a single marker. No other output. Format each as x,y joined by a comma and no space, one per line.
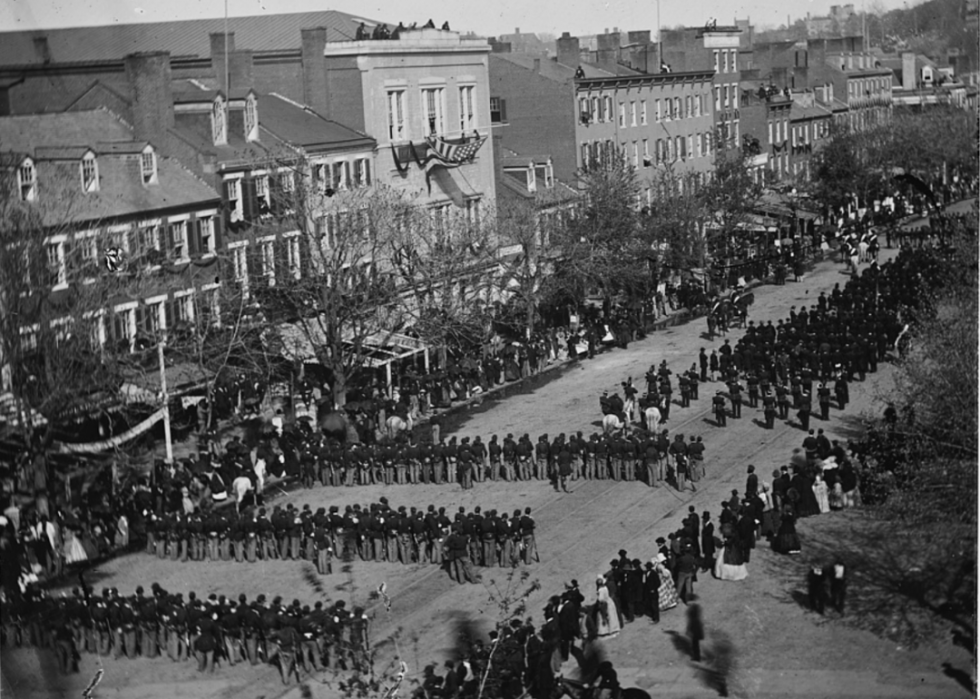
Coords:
778,648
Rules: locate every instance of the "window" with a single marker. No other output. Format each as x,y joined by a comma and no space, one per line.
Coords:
206,232
148,166
124,325
396,115
595,109
154,316
734,95
497,109
472,210
233,193
362,172
646,153
269,260
286,181
688,107
219,132
643,112
177,240
293,261
717,62
467,108
148,242
184,306
28,338
677,108
632,113
717,90
90,173
87,247
636,154
734,60
724,61
660,151
585,155
57,269
622,114
698,146
679,149
210,304
433,111
770,133
262,194
725,101
340,175
251,119
27,180
239,261
656,110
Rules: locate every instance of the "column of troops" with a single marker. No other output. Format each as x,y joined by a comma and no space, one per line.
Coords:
376,532
213,629
464,461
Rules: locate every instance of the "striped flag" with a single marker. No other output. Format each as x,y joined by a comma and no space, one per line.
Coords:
448,154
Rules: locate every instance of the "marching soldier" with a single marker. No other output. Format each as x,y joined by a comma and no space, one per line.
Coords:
718,404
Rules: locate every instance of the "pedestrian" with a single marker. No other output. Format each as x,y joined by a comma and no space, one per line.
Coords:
838,586
817,589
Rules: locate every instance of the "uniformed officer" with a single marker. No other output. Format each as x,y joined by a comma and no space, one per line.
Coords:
718,404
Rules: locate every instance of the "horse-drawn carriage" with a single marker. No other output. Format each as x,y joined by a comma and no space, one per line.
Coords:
729,310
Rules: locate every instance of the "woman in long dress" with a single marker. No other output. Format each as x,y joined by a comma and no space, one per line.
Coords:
768,527
820,492
607,615
730,564
807,505
668,592
787,541
74,551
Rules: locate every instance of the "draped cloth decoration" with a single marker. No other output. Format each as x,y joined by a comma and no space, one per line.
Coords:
402,169
107,444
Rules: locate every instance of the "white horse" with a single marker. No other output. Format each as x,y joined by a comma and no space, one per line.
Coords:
652,416
396,425
241,486
611,423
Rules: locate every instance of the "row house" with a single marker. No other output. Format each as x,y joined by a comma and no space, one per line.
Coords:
653,123
104,196
766,115
714,48
810,123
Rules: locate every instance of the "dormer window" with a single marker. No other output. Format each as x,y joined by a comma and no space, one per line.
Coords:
219,126
27,180
251,118
90,173
148,166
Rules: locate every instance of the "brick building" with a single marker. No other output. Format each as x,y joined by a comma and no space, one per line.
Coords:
716,49
654,123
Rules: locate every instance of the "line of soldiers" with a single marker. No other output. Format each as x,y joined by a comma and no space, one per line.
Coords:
838,340
375,532
218,629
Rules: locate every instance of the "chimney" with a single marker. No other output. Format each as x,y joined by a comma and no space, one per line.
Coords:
218,49
639,37
42,49
240,69
148,75
608,47
908,70
314,41
568,50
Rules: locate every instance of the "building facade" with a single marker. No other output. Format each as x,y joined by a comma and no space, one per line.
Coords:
656,124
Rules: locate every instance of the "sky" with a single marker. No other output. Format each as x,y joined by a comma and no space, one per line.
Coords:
487,18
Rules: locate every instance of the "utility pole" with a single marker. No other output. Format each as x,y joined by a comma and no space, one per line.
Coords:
166,402
227,68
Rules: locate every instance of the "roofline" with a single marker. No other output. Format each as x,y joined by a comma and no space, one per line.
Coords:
586,83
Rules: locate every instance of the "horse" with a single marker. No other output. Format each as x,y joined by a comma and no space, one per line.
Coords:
652,417
612,423
395,425
241,486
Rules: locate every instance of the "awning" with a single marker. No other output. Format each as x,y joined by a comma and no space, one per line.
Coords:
299,343
144,386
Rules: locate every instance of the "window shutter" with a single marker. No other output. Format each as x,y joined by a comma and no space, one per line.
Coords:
503,109
171,316
275,193
250,206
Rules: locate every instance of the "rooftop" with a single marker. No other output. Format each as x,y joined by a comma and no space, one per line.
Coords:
260,33
121,191
551,69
